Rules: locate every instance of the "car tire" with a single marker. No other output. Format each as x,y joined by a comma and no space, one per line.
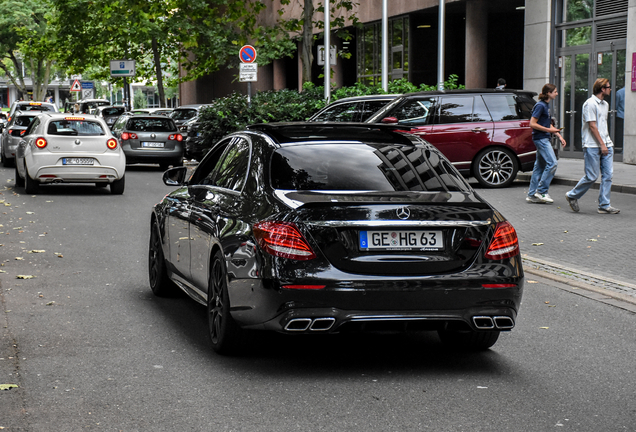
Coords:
226,336
6,162
470,340
495,167
160,283
19,181
30,186
117,187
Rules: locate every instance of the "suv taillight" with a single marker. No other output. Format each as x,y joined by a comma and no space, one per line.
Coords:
504,243
283,239
177,137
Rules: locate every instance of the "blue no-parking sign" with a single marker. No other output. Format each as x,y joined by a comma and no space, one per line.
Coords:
247,54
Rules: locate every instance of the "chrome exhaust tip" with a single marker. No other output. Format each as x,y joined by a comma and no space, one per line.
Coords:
322,324
483,322
504,322
298,324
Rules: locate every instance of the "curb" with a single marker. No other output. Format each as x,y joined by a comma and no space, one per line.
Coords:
572,280
525,177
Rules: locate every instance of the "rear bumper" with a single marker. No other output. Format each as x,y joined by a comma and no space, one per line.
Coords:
153,155
49,168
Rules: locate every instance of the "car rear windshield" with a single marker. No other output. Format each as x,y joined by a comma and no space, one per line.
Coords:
23,120
363,167
74,127
34,106
151,125
183,114
113,111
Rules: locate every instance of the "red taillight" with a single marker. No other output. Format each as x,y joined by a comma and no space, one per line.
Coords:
504,243
125,136
111,144
40,143
22,132
133,136
282,239
304,287
177,137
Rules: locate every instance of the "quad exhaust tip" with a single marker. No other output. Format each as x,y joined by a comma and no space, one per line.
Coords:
310,324
489,323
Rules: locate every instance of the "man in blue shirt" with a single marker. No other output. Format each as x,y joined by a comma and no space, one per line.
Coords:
598,150
546,163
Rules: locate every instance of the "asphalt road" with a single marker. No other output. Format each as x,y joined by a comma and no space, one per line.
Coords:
90,348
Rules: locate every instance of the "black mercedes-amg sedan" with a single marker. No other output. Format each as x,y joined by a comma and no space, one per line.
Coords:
334,227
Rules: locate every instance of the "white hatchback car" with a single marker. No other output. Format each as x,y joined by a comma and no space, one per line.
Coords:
67,148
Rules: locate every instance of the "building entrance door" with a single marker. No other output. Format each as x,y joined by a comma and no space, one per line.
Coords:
573,91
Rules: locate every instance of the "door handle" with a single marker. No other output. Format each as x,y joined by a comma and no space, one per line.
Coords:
479,129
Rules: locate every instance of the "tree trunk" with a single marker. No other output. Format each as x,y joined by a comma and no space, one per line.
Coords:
157,56
308,40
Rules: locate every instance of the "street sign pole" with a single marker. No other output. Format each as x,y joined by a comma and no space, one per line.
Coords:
248,69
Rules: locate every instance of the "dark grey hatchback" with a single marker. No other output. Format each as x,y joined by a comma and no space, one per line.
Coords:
335,227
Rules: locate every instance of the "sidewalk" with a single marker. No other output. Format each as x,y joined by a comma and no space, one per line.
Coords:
570,171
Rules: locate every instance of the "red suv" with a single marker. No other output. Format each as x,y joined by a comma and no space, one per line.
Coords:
485,134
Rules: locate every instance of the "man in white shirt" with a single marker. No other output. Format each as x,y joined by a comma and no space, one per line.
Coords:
598,150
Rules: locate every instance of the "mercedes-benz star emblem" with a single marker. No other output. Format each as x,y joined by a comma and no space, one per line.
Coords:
403,213
153,136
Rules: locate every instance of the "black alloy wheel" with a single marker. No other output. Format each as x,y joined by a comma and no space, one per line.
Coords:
160,283
468,340
225,334
495,167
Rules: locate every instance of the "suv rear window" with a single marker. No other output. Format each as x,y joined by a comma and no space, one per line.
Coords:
34,106
113,111
183,114
136,124
360,167
74,127
23,120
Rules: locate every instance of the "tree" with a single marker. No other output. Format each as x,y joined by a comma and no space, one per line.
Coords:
341,15
27,44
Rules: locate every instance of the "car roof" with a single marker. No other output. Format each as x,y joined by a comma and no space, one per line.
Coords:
192,106
366,97
468,91
315,132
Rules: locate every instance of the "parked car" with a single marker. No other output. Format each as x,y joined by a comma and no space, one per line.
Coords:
63,148
184,113
31,106
110,113
352,109
195,144
150,139
3,120
156,111
485,134
333,227
12,134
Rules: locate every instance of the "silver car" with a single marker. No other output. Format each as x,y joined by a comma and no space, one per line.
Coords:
67,148
12,134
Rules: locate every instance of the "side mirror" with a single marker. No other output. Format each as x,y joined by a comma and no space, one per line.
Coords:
175,176
389,120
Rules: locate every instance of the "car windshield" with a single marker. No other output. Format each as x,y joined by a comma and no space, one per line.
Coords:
360,167
183,114
113,111
74,127
151,125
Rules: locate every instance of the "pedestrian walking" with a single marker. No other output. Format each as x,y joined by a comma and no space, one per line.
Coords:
598,150
545,165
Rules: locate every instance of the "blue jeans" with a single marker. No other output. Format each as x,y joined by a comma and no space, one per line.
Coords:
545,167
595,161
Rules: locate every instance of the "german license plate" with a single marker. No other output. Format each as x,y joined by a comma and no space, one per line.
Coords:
401,240
78,161
151,144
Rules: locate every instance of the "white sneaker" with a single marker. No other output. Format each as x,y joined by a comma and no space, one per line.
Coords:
544,198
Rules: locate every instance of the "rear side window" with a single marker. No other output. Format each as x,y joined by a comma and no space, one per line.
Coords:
456,110
151,125
504,107
360,167
370,108
525,104
231,171
74,127
23,121
183,114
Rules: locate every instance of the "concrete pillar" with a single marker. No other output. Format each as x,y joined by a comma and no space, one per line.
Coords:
536,53
629,150
279,79
476,44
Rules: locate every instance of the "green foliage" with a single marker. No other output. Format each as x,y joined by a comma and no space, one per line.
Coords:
140,100
232,113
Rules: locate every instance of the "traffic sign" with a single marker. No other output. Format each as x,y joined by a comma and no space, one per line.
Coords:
247,54
248,72
122,68
76,86
87,84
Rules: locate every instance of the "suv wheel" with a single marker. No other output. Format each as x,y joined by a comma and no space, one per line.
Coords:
495,167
